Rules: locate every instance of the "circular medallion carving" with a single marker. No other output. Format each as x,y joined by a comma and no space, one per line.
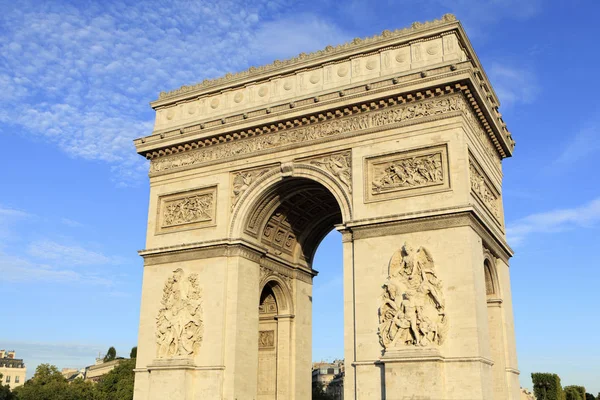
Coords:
342,71
262,92
372,64
170,114
288,84
239,96
192,108
433,49
401,58
314,78
214,103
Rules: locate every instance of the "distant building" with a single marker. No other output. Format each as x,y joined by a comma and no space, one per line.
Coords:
336,387
12,369
325,373
95,372
71,374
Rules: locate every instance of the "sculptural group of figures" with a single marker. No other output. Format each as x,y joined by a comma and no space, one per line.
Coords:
410,172
412,311
179,324
189,209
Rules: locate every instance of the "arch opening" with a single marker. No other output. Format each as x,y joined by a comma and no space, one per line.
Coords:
293,217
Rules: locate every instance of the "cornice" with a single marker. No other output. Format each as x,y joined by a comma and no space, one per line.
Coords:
194,153
355,45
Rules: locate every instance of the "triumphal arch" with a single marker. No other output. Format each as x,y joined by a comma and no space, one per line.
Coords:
396,141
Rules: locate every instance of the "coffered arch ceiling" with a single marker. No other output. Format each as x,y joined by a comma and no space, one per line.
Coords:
292,218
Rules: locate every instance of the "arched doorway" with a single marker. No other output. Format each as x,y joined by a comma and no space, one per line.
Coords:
289,218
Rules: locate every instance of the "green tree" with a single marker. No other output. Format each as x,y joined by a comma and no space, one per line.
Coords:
318,392
5,393
82,390
118,383
46,384
574,392
111,354
547,386
133,353
589,396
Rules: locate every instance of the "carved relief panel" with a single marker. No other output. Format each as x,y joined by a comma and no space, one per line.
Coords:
179,325
338,165
406,173
266,339
484,191
241,181
187,210
412,311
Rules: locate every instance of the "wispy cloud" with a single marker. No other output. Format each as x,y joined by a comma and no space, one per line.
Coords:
513,84
70,255
587,215
286,37
82,77
582,145
12,213
71,223
18,269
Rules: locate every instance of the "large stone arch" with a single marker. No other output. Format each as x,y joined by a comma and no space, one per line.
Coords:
396,141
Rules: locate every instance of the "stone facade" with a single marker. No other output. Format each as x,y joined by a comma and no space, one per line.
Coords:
394,140
13,369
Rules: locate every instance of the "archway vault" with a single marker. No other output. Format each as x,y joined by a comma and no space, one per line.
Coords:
290,217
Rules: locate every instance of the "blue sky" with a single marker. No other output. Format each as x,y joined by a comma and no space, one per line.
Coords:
76,79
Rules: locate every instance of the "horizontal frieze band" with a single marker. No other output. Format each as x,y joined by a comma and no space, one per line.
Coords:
358,119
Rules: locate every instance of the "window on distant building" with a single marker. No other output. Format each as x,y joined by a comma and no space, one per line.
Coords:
7,378
17,379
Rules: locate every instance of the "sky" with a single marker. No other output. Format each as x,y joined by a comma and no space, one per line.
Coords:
76,78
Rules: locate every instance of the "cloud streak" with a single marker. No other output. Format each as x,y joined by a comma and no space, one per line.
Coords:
18,269
584,144
69,255
81,77
514,85
585,216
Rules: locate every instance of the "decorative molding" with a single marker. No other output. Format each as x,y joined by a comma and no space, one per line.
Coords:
338,165
412,311
406,173
303,57
179,325
490,148
266,339
287,134
483,190
187,210
241,181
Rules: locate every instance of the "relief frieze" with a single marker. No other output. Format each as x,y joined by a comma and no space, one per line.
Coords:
266,339
339,165
313,131
406,173
190,209
241,181
413,308
179,325
483,190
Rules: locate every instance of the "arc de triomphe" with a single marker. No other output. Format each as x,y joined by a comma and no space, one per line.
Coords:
396,141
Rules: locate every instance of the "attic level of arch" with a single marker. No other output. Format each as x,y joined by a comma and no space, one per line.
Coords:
252,141
186,137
